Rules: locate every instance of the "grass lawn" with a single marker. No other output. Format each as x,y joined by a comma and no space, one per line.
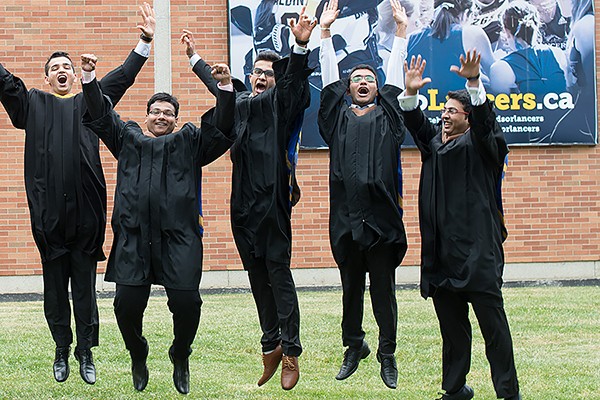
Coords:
556,334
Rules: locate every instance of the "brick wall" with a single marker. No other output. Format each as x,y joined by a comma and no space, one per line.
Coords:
552,194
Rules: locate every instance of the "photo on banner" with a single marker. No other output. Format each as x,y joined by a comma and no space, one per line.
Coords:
537,65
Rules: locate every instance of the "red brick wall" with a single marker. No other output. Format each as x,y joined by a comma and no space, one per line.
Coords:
552,194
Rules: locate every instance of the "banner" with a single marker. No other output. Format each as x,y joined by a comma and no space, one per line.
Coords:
538,56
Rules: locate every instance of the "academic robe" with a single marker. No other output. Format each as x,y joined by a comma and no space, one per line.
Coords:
460,221
64,182
365,199
156,221
264,157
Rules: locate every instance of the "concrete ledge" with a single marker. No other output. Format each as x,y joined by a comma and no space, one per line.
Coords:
552,271
329,277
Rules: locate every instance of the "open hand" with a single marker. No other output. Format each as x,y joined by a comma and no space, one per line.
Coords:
303,27
329,14
413,75
148,25
469,64
399,14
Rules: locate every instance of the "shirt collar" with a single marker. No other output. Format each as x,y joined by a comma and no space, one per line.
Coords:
362,107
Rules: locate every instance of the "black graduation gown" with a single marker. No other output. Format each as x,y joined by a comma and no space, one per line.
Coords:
64,182
460,221
365,203
156,220
261,200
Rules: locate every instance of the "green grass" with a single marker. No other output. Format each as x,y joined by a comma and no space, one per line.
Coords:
556,334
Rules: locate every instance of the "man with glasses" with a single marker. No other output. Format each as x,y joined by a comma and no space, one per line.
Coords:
157,220
264,189
66,192
365,222
462,225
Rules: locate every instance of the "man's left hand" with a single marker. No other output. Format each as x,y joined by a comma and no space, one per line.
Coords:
148,25
469,64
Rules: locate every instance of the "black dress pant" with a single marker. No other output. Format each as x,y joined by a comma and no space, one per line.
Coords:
276,300
129,305
80,269
380,263
452,310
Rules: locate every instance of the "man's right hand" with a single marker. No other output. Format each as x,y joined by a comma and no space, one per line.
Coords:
88,62
221,73
413,75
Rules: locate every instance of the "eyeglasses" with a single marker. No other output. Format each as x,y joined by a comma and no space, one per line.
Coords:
358,78
167,113
452,111
269,73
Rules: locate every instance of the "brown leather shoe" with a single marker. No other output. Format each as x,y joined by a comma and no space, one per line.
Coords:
270,362
290,373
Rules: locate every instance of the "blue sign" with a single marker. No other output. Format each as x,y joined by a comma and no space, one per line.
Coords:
538,56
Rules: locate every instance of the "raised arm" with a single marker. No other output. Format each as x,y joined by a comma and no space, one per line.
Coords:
394,73
487,134
14,97
99,116
224,110
292,90
116,82
199,66
329,67
217,133
415,120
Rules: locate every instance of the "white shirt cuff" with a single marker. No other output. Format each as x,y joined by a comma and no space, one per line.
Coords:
194,59
299,49
227,88
87,77
407,102
478,95
143,49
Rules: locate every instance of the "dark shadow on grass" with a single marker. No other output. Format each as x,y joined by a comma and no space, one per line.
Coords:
158,292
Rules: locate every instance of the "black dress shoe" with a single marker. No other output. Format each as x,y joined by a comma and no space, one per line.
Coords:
352,357
515,397
389,371
61,363
139,373
464,393
87,370
181,373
